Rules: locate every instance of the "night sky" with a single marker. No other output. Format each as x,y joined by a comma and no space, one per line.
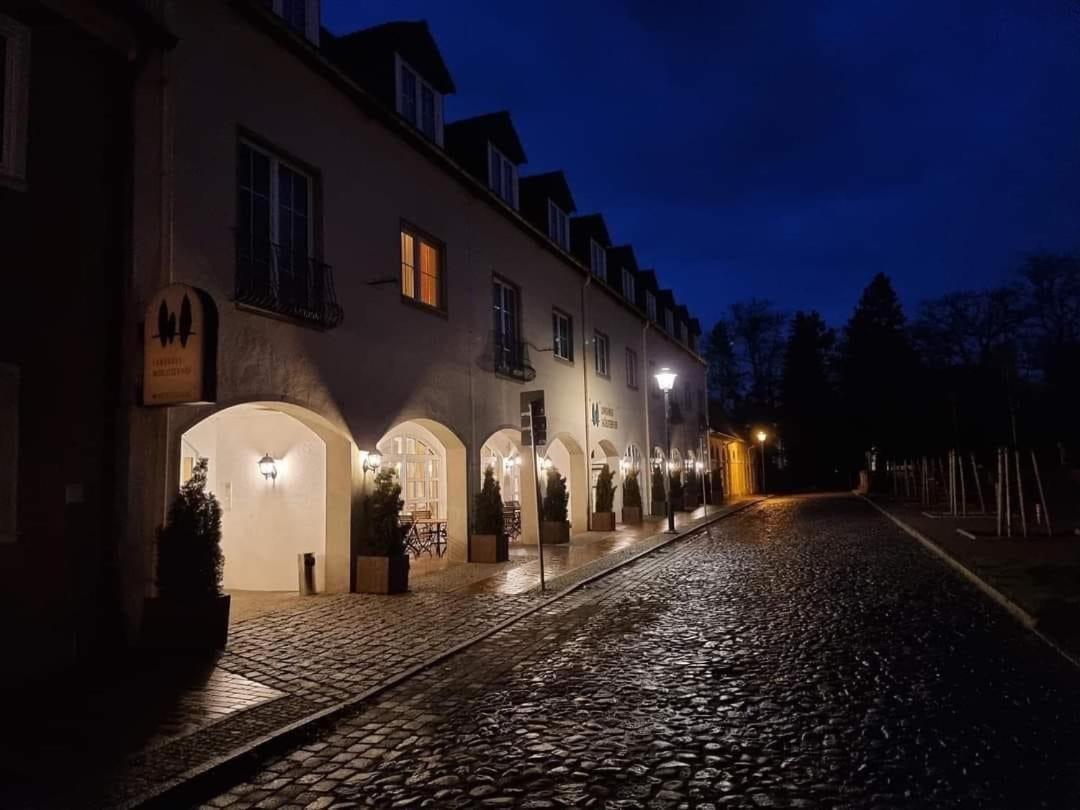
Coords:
781,148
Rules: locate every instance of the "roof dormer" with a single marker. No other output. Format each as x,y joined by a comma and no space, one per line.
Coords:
488,147
589,242
547,203
400,63
624,272
302,16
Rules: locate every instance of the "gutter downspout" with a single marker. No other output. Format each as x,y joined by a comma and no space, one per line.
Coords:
585,377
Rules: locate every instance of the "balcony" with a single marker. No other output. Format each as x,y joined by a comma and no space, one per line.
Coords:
282,282
511,357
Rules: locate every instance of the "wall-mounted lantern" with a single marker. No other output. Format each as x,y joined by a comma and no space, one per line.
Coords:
511,462
268,467
547,464
372,461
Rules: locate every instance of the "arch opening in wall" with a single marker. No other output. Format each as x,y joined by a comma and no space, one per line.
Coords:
566,455
268,470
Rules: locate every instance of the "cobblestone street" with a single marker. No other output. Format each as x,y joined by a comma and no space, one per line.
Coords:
805,653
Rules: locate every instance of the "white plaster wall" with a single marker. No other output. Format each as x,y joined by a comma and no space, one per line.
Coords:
265,524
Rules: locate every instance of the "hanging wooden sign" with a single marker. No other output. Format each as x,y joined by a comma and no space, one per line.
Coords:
179,347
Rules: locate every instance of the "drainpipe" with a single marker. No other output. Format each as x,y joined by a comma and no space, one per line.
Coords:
585,377
645,397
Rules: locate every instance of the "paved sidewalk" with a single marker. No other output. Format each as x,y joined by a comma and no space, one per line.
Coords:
126,733
1039,574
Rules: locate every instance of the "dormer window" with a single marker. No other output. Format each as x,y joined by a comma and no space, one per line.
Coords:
302,16
669,322
650,306
598,259
418,102
502,176
628,290
558,226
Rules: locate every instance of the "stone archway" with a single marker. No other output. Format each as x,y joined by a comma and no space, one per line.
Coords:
604,452
517,480
566,454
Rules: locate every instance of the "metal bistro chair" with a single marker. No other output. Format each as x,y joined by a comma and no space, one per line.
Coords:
408,524
423,530
512,519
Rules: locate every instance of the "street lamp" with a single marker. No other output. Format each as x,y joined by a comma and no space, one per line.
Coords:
761,437
665,379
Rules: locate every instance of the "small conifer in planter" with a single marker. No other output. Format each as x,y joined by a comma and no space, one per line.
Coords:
631,499
603,519
190,613
692,489
554,527
382,565
676,490
489,542
659,491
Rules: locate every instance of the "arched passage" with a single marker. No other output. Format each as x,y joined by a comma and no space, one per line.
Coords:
268,521
514,471
566,454
430,462
657,476
604,452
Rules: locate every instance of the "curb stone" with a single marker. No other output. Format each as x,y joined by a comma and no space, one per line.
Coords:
170,792
1023,616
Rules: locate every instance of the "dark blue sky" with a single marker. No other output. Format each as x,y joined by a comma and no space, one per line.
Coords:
787,149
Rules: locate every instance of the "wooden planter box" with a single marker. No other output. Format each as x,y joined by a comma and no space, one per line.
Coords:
489,548
554,532
382,574
603,521
185,625
631,515
659,507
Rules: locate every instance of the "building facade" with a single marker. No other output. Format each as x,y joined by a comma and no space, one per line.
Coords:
385,281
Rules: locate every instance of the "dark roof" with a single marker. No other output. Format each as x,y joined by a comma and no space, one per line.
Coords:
366,54
550,185
695,326
591,226
667,299
495,127
682,313
648,280
623,256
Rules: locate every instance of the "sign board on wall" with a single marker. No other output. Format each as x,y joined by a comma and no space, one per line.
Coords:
179,347
603,416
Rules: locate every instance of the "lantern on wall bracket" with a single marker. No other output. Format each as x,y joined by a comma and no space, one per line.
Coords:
268,467
372,461
547,464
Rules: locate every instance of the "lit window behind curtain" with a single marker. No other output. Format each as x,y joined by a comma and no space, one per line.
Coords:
408,265
429,274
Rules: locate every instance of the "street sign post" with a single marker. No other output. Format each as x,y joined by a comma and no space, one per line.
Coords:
534,433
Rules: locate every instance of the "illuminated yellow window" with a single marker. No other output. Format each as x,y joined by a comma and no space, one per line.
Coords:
422,269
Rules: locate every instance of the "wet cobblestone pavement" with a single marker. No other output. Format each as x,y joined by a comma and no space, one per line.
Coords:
803,654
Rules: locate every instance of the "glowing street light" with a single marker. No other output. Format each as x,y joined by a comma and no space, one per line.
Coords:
761,437
665,379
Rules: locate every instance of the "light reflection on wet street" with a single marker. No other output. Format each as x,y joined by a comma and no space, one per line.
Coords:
802,654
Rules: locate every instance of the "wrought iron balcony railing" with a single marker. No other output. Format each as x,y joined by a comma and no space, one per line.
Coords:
284,282
511,357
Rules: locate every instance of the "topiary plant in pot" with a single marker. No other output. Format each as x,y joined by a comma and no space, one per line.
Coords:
603,519
691,490
554,528
659,492
382,566
631,499
190,613
676,490
489,542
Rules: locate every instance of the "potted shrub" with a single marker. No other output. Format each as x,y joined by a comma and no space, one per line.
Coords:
692,490
659,502
489,543
676,490
382,566
554,528
190,613
631,499
603,519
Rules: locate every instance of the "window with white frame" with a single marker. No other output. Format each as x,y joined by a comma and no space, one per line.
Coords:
422,271
14,92
302,16
275,226
629,289
631,368
598,259
602,349
418,102
9,449
669,321
650,306
502,176
562,335
558,226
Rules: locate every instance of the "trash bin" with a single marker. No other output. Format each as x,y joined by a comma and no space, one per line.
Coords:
306,564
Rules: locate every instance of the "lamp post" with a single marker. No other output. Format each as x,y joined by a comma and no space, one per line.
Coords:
665,379
761,437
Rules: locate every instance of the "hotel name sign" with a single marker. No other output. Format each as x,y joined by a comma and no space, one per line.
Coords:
603,416
179,347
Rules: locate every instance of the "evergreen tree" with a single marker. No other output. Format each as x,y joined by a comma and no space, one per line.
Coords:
808,402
